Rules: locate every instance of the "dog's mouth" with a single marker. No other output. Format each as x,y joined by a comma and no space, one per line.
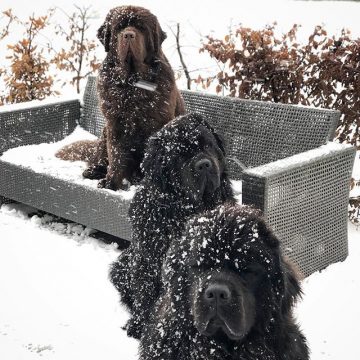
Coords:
132,62
130,56
130,50
207,185
217,327
130,53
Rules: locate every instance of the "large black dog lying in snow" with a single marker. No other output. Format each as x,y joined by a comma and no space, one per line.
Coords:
228,294
184,174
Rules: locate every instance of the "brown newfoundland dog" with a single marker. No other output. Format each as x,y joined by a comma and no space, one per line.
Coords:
138,95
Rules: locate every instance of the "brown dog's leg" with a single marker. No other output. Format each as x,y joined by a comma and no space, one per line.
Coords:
180,104
120,169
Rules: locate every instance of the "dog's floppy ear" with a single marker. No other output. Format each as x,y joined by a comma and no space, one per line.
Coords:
218,137
159,37
152,166
163,35
291,285
220,141
104,32
287,275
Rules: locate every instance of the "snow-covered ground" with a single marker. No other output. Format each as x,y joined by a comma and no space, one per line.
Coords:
56,301
330,311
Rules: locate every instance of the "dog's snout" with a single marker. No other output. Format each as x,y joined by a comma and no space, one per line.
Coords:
219,293
129,34
203,165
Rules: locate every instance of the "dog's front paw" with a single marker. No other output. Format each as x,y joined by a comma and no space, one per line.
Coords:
125,184
95,172
102,184
110,184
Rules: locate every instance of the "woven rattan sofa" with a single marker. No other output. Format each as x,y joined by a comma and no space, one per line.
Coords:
293,173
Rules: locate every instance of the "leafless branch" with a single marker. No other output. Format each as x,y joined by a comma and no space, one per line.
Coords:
178,48
5,31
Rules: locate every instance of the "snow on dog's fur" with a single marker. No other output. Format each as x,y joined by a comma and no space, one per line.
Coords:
228,294
132,38
184,174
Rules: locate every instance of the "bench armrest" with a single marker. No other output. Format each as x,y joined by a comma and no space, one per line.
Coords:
305,200
37,122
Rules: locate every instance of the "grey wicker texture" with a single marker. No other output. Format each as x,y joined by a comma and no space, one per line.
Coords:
38,124
305,203
92,118
98,209
259,132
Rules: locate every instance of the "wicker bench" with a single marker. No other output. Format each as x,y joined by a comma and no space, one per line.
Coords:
293,173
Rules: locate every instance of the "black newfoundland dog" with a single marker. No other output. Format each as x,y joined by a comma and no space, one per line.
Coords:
184,174
228,294
138,95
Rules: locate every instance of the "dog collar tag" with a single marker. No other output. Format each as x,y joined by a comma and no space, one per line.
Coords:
147,85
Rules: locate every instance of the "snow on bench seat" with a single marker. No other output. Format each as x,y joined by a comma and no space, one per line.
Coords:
41,159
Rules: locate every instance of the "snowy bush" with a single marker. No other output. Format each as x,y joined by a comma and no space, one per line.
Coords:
30,68
28,76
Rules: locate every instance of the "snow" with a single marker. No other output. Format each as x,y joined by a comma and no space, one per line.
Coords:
329,312
298,160
41,159
51,100
57,302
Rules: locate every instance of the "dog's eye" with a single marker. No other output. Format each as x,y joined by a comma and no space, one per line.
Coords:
140,28
252,273
183,161
249,272
119,28
214,149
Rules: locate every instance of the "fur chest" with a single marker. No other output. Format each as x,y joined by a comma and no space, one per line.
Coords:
135,108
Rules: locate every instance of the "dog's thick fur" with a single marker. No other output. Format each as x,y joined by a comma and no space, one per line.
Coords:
132,38
228,294
171,191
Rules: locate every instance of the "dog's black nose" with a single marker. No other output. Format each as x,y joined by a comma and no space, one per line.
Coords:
219,293
129,34
203,165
